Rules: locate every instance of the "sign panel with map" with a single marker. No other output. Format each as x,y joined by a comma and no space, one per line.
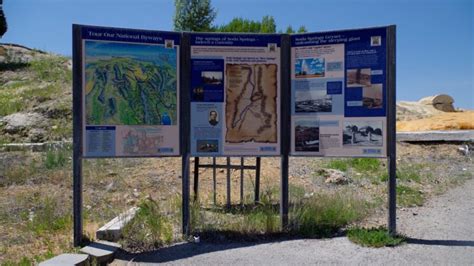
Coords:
235,95
339,93
130,92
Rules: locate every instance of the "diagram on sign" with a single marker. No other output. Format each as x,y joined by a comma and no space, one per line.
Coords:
136,87
251,103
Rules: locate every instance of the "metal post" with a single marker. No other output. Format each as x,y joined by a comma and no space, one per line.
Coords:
196,178
184,116
185,192
228,183
285,126
257,180
284,191
214,183
242,181
77,134
391,131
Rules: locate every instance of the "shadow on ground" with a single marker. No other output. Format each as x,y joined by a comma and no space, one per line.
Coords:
182,251
186,250
432,242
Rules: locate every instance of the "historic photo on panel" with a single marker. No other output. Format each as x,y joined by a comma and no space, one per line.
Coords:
251,105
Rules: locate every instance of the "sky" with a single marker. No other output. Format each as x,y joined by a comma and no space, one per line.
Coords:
435,39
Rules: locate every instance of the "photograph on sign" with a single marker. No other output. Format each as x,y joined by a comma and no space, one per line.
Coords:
338,93
235,95
130,93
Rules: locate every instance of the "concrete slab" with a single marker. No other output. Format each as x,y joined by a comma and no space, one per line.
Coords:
113,229
67,260
422,136
101,251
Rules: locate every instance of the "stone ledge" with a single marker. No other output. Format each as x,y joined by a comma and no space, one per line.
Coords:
437,135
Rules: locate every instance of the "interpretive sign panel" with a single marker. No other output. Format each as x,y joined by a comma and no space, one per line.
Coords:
235,95
130,92
339,93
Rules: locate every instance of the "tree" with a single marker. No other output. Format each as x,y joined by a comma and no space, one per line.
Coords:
3,20
290,30
267,25
193,15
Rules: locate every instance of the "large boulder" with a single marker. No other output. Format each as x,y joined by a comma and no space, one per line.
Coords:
20,122
442,102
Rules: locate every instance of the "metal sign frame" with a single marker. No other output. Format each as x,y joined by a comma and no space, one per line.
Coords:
184,127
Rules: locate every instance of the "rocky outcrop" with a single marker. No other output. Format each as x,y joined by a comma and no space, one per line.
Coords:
440,102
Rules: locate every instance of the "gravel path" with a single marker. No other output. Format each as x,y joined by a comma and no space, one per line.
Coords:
441,232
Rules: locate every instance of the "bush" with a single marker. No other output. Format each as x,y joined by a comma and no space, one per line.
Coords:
55,159
149,229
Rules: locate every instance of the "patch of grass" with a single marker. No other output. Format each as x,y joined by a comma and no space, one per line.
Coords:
296,192
263,219
325,214
9,104
149,229
365,164
338,164
358,164
56,158
49,217
408,174
409,197
50,69
374,237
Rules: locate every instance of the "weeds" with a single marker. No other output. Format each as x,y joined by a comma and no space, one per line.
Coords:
56,158
358,164
325,214
374,237
149,229
48,218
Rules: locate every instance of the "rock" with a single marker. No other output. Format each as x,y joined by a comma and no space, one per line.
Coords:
101,251
67,259
37,135
19,122
112,231
441,102
333,176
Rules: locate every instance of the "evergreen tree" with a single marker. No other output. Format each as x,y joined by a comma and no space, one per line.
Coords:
3,20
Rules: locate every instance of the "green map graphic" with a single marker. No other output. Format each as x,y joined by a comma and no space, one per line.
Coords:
134,89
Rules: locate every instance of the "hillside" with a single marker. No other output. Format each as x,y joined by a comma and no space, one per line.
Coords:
35,95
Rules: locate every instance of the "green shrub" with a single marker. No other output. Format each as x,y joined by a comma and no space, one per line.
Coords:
50,216
55,158
149,229
374,237
325,214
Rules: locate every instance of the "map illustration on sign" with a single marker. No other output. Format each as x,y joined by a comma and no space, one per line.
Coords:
251,103
130,84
